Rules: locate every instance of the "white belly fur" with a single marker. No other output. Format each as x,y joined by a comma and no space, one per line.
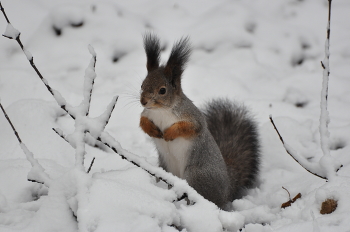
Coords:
174,152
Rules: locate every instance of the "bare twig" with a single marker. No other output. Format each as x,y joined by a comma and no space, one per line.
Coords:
9,121
113,103
287,192
4,13
59,133
329,17
41,176
133,162
89,80
92,163
328,163
108,113
290,152
291,201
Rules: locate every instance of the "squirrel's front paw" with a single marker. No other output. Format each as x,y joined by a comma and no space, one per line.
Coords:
150,128
169,135
180,129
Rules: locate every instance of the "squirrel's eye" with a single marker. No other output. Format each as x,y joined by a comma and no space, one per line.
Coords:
162,91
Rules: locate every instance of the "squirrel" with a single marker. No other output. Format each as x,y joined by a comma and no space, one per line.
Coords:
216,151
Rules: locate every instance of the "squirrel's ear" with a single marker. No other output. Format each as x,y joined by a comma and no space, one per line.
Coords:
152,49
176,64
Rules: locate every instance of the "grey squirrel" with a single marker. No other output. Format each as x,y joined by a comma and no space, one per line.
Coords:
217,150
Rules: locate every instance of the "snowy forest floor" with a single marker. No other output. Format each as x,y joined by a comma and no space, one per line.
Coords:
263,53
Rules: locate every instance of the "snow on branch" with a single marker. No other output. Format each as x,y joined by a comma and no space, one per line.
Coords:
328,166
324,117
37,173
82,125
328,163
59,132
95,127
313,168
89,79
12,33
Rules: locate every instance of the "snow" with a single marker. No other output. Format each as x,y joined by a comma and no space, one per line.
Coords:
28,55
264,53
11,32
37,172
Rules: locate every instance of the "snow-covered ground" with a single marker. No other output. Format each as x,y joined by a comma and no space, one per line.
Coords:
265,53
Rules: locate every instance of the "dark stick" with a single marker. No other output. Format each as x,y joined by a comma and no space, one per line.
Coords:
20,141
291,153
35,181
134,163
8,119
92,163
59,134
110,114
287,192
328,38
4,13
329,18
92,85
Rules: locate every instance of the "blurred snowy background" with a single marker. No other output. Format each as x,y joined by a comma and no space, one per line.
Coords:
265,53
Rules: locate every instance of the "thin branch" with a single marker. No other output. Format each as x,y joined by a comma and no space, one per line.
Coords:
290,152
108,112
31,61
59,132
287,192
37,170
8,119
133,162
113,103
4,13
92,163
90,75
35,181
279,135
324,115
53,92
329,17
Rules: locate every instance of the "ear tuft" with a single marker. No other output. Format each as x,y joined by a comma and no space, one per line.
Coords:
152,48
179,56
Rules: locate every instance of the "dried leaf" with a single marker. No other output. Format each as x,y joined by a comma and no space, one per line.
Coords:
328,206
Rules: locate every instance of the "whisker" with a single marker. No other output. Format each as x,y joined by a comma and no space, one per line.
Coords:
131,104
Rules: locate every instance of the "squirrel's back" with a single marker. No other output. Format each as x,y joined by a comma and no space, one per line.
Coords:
236,135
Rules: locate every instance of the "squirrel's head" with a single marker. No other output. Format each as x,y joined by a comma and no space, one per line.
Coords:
162,84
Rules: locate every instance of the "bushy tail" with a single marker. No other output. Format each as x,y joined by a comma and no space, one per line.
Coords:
236,135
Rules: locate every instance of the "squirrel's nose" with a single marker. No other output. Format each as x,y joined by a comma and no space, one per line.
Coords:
143,101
